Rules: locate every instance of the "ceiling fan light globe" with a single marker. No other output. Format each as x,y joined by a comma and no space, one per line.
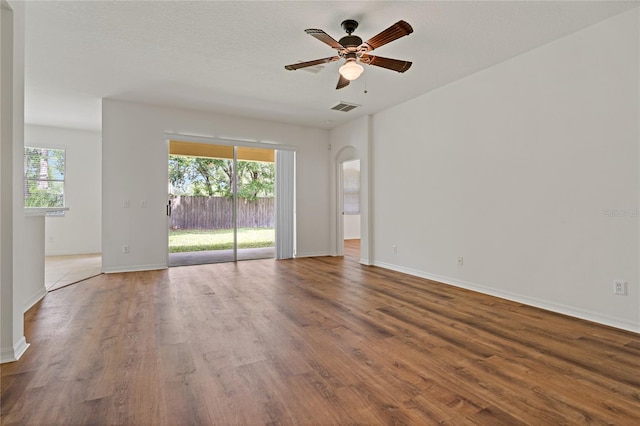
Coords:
351,70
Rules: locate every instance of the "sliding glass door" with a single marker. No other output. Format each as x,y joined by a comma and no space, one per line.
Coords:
255,203
222,203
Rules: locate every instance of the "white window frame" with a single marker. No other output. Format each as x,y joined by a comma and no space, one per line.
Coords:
63,180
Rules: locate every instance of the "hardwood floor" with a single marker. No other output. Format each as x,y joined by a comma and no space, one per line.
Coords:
310,341
352,249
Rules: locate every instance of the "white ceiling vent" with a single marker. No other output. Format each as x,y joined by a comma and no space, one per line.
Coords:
345,106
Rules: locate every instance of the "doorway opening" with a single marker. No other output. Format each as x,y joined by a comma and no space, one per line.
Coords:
221,203
351,208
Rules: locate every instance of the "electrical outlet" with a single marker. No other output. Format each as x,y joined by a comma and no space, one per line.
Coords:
460,261
620,288
394,249
125,248
126,204
143,204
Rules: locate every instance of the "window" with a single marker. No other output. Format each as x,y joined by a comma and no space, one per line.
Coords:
351,191
44,172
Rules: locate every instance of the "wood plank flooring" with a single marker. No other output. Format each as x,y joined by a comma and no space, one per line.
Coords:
310,341
352,249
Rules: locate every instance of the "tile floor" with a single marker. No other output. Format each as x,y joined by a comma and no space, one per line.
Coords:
60,271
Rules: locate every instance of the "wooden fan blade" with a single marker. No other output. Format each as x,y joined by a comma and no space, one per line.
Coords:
390,64
394,32
324,37
342,82
299,65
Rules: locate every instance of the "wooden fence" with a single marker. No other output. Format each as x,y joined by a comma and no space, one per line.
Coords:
192,212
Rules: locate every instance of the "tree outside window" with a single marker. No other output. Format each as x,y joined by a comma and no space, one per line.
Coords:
44,173
213,177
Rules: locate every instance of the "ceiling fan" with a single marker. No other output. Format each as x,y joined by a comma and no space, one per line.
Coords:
353,50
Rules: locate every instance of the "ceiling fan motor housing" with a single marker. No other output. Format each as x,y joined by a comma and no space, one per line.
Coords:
349,25
350,41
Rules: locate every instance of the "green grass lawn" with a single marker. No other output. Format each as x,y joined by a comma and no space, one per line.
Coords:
185,240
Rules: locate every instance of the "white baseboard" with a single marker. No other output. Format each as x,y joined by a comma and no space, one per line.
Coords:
134,268
72,253
537,303
13,354
35,299
311,254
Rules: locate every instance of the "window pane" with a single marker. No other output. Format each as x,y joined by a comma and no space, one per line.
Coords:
351,192
45,164
39,195
44,170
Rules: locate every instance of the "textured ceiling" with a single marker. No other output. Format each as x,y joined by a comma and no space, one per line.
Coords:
229,56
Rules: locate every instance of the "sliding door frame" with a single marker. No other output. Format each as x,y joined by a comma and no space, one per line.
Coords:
285,212
234,211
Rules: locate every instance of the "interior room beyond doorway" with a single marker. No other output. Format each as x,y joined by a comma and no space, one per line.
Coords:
351,208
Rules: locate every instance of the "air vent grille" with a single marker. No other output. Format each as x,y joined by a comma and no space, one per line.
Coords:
345,106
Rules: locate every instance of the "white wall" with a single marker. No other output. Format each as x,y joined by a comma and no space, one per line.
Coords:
6,183
517,169
352,227
79,230
134,165
33,287
12,220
